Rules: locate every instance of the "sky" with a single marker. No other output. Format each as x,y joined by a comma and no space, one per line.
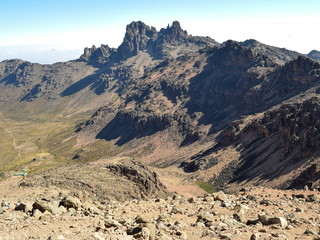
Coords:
58,30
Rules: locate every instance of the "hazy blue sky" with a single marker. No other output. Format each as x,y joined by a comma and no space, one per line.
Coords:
50,31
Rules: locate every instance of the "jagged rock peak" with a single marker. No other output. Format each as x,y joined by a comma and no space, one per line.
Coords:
88,52
231,43
250,43
139,28
174,32
96,55
138,36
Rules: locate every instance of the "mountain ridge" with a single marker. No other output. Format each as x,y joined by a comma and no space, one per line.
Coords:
165,96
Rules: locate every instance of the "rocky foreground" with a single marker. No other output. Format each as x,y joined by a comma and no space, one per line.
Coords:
253,213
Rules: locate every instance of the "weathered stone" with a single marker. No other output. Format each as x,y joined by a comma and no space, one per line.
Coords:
43,206
21,207
205,217
255,236
94,210
265,202
311,232
86,205
263,218
312,198
141,219
300,196
71,202
176,210
226,236
145,233
98,236
222,226
240,216
191,200
134,231
62,209
208,199
220,196
162,218
278,220
225,204
45,216
36,213
59,237
111,223
233,223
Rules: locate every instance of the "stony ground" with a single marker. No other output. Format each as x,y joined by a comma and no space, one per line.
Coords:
254,213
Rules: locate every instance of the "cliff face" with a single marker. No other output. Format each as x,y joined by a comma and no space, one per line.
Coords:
277,144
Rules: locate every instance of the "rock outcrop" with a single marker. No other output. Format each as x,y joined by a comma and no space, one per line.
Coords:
138,37
120,178
94,55
309,178
147,181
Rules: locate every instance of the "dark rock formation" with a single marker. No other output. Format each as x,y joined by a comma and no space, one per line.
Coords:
310,178
173,33
286,81
147,181
121,179
138,37
199,164
96,55
287,137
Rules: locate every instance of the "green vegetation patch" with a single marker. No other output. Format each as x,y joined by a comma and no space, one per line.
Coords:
209,188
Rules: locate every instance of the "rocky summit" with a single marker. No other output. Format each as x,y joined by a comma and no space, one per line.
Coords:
156,138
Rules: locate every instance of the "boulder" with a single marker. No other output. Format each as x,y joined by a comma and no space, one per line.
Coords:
21,207
240,216
310,232
220,196
278,220
141,219
43,205
71,202
145,233
255,236
205,217
111,223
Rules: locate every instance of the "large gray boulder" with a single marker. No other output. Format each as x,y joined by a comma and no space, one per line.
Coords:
44,205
